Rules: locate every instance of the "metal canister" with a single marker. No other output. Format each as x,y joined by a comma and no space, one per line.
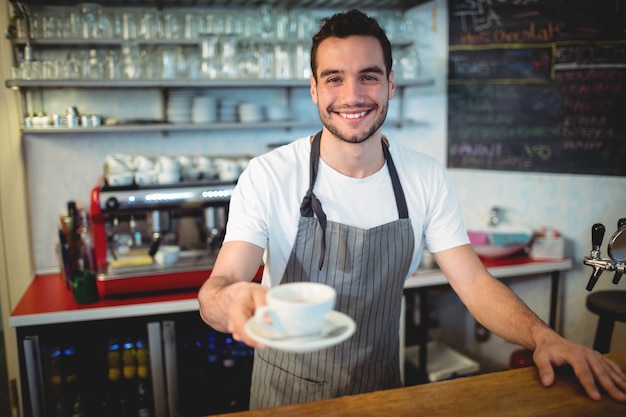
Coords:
85,120
72,120
57,120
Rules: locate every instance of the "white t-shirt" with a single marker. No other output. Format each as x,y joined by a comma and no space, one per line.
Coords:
265,206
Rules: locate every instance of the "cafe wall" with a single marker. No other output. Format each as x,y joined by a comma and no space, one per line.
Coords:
66,167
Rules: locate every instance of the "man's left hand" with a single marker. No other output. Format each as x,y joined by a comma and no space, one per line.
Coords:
591,368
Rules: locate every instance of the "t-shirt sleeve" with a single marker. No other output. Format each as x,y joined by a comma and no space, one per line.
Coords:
247,216
445,228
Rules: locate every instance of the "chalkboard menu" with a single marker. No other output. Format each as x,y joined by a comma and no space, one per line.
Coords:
538,85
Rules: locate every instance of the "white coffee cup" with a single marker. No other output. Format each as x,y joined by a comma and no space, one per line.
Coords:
145,177
296,309
167,255
143,163
119,179
227,169
167,164
168,177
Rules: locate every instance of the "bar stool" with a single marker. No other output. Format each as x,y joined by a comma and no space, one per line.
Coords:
610,306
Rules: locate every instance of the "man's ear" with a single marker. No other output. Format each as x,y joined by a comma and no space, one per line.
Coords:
313,89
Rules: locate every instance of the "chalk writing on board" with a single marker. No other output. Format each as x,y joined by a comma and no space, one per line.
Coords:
538,85
500,64
482,22
537,128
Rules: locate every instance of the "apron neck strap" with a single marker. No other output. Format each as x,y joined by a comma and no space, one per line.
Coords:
312,206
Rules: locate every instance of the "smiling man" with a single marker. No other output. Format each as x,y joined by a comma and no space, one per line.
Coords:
352,209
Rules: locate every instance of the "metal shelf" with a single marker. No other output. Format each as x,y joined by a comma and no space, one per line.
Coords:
174,127
235,83
169,127
91,43
286,4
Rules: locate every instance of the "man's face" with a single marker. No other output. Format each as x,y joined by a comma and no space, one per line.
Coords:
352,91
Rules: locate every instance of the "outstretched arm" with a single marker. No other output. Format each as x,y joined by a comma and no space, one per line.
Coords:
496,307
229,297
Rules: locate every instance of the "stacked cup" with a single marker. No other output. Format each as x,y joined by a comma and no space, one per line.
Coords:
144,170
167,170
118,170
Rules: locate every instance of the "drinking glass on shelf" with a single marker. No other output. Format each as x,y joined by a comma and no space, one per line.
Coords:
250,60
167,63
410,64
191,26
181,65
50,70
16,73
251,29
193,63
72,68
31,70
151,25
302,63
172,25
36,30
282,25
214,22
208,56
52,26
151,65
305,25
282,62
104,28
267,66
131,61
91,65
73,26
89,20
129,26
112,66
228,54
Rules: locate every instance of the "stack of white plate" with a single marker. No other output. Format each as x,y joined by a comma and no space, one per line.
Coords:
204,109
228,111
179,103
278,113
250,113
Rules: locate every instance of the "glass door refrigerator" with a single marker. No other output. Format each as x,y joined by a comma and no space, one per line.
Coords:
155,366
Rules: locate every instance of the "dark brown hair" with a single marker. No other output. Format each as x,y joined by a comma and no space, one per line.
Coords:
352,22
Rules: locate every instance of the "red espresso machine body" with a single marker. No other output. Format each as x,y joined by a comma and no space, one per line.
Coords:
131,224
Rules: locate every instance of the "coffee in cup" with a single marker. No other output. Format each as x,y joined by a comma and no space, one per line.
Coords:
296,309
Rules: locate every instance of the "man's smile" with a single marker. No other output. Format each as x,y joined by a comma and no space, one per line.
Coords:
353,115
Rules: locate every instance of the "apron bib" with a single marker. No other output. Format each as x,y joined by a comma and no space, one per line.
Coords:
367,268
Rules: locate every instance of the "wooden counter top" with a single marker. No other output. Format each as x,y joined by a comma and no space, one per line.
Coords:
513,393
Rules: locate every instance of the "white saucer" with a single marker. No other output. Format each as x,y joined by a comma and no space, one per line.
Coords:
307,343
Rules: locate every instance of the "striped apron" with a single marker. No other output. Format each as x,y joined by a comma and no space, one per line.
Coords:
368,269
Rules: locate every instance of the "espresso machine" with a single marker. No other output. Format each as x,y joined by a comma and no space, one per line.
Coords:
130,224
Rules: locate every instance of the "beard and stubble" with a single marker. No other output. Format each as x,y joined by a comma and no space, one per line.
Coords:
357,137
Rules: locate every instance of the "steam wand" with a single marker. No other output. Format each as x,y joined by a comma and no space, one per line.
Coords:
215,219
156,233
